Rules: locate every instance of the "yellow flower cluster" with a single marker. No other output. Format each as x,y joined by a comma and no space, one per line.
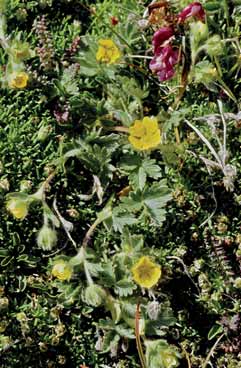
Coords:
146,273
107,52
145,134
62,270
18,80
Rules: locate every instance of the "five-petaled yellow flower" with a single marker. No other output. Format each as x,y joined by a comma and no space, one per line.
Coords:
18,80
145,134
146,273
107,52
62,270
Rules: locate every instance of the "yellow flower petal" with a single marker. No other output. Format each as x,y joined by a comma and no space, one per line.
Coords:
107,52
150,124
145,134
62,270
146,273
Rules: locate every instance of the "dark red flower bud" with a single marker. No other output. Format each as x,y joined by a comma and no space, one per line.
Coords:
114,21
160,36
163,62
192,10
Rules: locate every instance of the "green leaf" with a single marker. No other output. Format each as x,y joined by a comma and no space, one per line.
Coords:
121,218
124,331
214,331
124,287
155,199
110,341
152,201
107,274
139,170
113,306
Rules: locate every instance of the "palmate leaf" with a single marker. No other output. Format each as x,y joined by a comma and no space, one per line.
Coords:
151,201
121,218
139,169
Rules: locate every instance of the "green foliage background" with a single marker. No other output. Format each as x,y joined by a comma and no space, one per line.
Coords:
198,291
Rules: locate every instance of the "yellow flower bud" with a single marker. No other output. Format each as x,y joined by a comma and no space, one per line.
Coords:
62,270
18,80
18,207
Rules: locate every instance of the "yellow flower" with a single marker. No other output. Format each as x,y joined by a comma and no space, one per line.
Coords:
18,208
146,273
145,134
62,270
18,80
107,52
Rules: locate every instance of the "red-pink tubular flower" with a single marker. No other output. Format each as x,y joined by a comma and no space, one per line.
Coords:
192,10
160,36
163,62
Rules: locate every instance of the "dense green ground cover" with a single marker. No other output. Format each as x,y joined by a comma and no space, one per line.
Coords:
82,204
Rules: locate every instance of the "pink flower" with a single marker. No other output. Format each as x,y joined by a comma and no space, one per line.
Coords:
163,62
192,10
160,36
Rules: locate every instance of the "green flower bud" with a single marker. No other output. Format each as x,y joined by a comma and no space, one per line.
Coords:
213,46
94,295
4,302
4,184
20,51
205,72
237,283
21,14
25,185
198,31
46,238
44,132
3,325
21,317
5,341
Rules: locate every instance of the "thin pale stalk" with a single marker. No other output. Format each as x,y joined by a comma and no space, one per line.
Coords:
212,351
138,339
220,106
208,144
